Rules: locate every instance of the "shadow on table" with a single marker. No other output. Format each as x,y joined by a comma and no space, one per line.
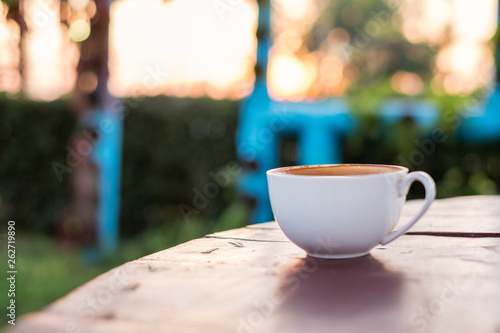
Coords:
345,295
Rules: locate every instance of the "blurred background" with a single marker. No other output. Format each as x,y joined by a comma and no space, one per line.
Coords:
153,122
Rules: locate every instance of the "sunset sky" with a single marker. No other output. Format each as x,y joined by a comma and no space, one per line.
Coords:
192,48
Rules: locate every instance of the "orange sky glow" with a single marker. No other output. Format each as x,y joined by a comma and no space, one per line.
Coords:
202,48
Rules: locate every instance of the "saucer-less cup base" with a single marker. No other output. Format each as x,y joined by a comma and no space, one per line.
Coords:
343,211
340,256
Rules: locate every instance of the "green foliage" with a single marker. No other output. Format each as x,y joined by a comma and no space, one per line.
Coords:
32,136
170,148
9,2
45,272
458,168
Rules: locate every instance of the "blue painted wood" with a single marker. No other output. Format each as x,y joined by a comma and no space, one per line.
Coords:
482,123
425,113
107,155
319,126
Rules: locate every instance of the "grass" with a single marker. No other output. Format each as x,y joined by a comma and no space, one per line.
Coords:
46,272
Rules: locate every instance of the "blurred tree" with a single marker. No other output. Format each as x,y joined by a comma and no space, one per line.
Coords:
371,45
91,102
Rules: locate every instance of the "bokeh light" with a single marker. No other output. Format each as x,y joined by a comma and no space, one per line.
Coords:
49,56
407,83
79,30
79,4
460,29
87,82
290,77
187,48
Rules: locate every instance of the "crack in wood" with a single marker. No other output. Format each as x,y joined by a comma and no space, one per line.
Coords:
131,287
237,244
210,251
107,316
478,261
455,234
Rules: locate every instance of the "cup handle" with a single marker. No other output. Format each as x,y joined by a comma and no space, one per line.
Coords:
404,187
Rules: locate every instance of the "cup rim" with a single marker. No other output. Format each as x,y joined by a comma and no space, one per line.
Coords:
281,171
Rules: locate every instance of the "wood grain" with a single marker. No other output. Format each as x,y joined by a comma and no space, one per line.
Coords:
253,280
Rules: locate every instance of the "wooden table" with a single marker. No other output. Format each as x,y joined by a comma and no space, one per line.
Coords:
443,276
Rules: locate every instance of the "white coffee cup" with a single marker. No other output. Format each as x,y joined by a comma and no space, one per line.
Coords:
343,210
